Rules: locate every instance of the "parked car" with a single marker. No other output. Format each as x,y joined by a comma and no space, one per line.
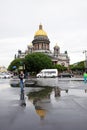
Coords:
5,76
1,76
63,75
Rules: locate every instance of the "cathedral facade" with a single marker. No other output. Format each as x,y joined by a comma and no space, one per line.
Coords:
41,43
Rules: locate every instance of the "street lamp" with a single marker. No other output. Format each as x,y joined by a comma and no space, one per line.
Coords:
22,66
85,62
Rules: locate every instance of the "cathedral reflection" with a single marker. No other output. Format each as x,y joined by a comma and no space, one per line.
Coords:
41,100
44,99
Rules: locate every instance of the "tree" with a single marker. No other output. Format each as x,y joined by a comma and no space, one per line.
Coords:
60,68
37,61
15,64
78,68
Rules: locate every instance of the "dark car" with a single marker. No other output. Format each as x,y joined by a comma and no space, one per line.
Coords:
64,75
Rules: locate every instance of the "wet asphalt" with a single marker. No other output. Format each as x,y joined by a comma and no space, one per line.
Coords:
67,111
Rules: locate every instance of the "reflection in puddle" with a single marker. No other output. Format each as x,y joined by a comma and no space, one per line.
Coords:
41,100
48,98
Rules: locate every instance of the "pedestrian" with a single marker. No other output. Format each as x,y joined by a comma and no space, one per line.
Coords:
21,77
85,77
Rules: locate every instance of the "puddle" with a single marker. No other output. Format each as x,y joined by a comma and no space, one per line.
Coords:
50,106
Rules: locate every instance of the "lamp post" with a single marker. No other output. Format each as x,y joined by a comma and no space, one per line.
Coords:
15,71
85,62
22,66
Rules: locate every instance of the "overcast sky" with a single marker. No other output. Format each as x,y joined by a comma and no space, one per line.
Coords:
65,22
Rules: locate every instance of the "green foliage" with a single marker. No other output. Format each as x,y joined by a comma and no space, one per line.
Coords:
40,94
60,67
77,66
17,62
37,61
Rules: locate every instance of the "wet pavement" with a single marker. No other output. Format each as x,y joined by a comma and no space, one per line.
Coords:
62,106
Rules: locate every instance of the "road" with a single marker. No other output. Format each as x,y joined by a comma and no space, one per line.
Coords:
65,112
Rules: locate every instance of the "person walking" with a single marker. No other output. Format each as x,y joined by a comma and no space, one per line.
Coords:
85,77
21,77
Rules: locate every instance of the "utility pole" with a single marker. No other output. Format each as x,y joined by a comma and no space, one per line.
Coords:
85,62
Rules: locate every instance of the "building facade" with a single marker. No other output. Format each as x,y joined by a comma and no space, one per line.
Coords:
41,43
3,69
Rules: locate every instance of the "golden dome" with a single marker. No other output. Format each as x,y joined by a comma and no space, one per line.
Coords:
40,32
41,112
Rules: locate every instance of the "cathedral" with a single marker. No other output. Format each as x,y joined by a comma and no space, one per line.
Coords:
41,43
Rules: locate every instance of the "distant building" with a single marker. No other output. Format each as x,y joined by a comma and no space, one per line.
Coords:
41,43
3,69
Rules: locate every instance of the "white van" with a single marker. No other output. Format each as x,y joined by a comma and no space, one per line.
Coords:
47,73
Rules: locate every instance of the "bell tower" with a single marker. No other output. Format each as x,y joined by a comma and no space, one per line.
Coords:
56,50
